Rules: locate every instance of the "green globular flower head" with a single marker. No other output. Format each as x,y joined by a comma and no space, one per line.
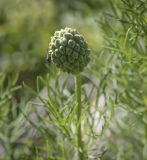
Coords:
69,51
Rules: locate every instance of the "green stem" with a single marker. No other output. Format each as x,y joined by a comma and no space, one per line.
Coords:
79,110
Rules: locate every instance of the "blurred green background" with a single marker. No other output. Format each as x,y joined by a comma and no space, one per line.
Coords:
117,35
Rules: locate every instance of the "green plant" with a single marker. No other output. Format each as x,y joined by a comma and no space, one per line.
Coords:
72,114
124,55
70,52
15,141
8,113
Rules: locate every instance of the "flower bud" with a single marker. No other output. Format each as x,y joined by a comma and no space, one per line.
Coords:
69,51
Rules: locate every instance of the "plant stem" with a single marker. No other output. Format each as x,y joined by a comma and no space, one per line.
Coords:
79,110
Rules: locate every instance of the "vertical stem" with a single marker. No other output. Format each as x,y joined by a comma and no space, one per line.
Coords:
79,110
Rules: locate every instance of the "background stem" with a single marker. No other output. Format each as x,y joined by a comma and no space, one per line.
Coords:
79,110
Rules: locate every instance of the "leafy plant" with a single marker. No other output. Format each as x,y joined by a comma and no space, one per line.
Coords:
125,57
72,113
15,139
